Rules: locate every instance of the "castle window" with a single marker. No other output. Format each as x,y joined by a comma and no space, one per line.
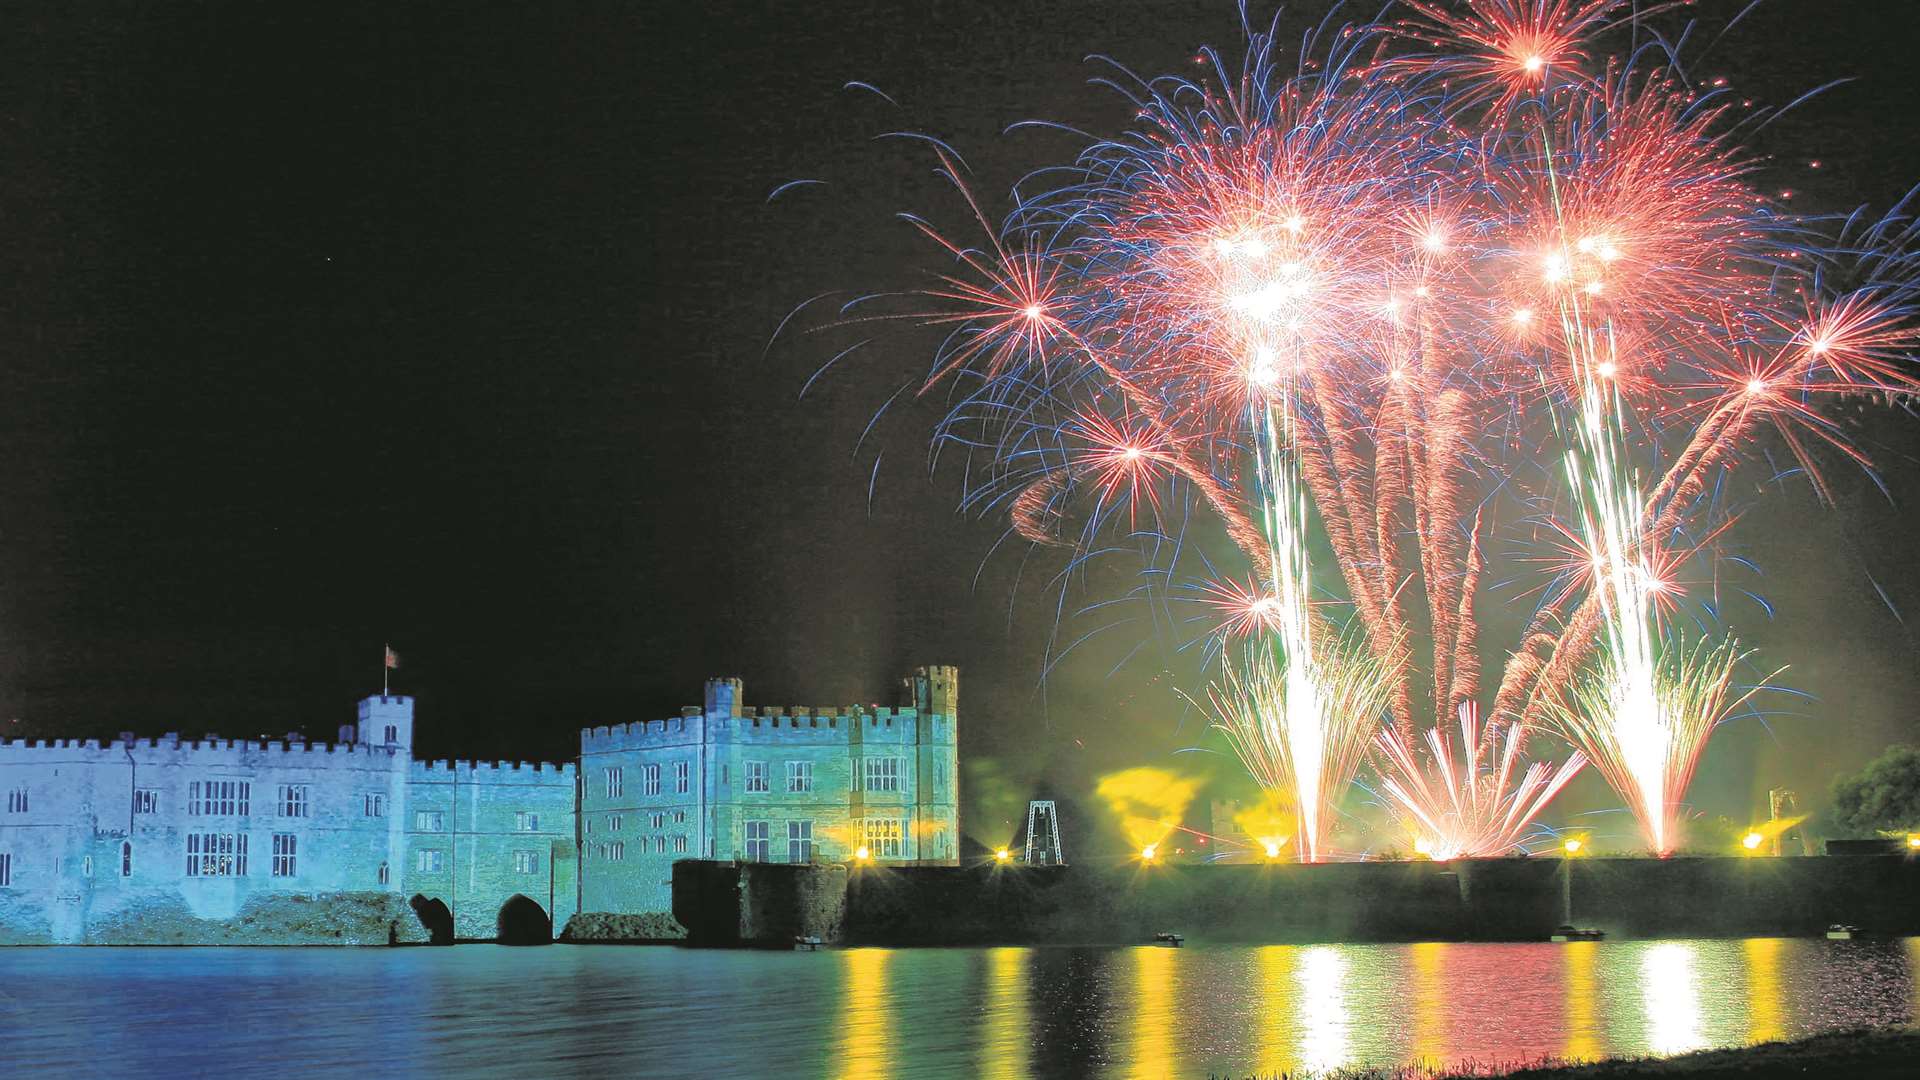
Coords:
679,845
429,821
375,804
17,801
6,868
679,817
526,862
800,841
216,854
219,798
649,779
283,854
293,800
126,858
682,777
526,822
428,861
882,837
883,773
614,822
86,866
383,876
756,776
656,819
393,734
759,844
800,776
616,851
146,801
616,782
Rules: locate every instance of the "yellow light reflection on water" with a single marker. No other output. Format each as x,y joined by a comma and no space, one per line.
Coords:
1005,1034
1669,988
865,1047
1275,1013
1913,977
1323,1008
1763,990
1584,1035
1155,1037
1428,959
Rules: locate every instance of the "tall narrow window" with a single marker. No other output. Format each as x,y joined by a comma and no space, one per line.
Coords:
756,776
86,866
759,843
284,849
656,819
799,776
616,782
649,779
383,876
428,860
393,734
679,845
126,858
616,851
429,821
293,800
6,868
799,841
375,804
682,777
220,798
883,837
526,862
17,801
524,821
146,801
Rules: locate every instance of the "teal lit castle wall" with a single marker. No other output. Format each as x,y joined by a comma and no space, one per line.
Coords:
727,781
276,840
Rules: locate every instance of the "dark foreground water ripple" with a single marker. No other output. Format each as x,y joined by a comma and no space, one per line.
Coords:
479,1010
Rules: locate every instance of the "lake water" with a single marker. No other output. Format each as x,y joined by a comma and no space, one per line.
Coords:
481,1010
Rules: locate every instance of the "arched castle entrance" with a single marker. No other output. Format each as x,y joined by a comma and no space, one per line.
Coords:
524,922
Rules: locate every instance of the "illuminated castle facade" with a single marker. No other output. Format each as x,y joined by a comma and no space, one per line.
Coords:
726,781
163,840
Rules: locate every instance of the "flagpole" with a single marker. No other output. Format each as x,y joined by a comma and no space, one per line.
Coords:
386,669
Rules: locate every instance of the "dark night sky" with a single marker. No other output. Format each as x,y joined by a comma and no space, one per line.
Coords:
328,326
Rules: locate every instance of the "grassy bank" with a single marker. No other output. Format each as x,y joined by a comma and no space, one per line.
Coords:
1878,1054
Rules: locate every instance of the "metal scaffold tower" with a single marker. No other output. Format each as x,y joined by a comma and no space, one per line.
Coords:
1043,834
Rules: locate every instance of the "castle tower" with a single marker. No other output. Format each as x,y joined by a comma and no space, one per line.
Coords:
387,720
723,697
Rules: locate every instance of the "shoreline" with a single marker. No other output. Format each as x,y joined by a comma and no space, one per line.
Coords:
1859,1054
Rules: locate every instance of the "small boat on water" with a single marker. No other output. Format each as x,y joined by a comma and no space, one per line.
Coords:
807,944
1842,932
1169,939
1577,933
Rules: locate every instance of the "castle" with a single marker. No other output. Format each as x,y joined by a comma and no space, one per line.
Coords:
289,841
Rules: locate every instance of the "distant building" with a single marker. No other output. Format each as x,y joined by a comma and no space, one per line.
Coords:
147,839
725,781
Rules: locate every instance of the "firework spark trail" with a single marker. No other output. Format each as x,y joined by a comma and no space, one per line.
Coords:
1472,806
1329,295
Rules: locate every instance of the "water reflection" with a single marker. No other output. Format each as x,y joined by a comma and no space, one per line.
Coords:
1323,1008
1584,1040
584,1011
1428,996
1154,1024
1004,1028
1763,990
1672,999
866,1021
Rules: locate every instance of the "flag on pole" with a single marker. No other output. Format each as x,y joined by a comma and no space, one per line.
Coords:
393,658
386,667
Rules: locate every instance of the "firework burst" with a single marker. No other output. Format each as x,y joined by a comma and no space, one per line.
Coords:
1449,277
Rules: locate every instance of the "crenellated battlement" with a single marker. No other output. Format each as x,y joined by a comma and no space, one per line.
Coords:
640,734
483,771
172,749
